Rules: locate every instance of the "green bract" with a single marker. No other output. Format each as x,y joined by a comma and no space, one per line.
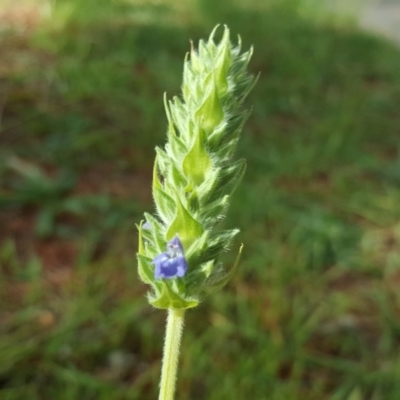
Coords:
196,173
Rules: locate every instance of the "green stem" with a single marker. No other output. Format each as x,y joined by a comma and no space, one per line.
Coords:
173,336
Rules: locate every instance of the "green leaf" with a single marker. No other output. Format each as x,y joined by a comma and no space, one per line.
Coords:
229,178
178,180
169,299
220,244
198,246
204,52
145,269
210,113
178,113
197,162
227,134
196,64
185,226
217,282
162,163
157,232
140,245
165,204
223,64
171,128
145,235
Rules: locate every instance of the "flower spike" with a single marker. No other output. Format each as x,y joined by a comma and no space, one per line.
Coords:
194,176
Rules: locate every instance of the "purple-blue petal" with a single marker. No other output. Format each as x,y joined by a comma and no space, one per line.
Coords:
169,267
175,245
172,263
146,225
181,266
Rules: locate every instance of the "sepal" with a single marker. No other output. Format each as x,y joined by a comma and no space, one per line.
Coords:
219,280
184,225
167,298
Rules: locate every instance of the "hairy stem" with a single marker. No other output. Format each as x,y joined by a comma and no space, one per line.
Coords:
173,336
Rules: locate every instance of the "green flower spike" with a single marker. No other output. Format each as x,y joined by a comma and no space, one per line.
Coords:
194,176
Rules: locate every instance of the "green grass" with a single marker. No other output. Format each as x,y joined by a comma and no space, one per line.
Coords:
313,312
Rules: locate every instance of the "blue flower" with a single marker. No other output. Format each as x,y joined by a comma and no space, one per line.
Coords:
146,225
172,263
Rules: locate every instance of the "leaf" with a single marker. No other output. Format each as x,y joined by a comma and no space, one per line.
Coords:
169,299
224,139
210,113
157,232
223,64
216,283
165,204
145,271
220,244
185,226
171,128
140,239
229,178
197,161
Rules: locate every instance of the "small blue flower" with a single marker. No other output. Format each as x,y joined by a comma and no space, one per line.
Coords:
172,263
146,225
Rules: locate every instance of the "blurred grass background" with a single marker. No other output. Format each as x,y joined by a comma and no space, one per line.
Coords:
313,312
